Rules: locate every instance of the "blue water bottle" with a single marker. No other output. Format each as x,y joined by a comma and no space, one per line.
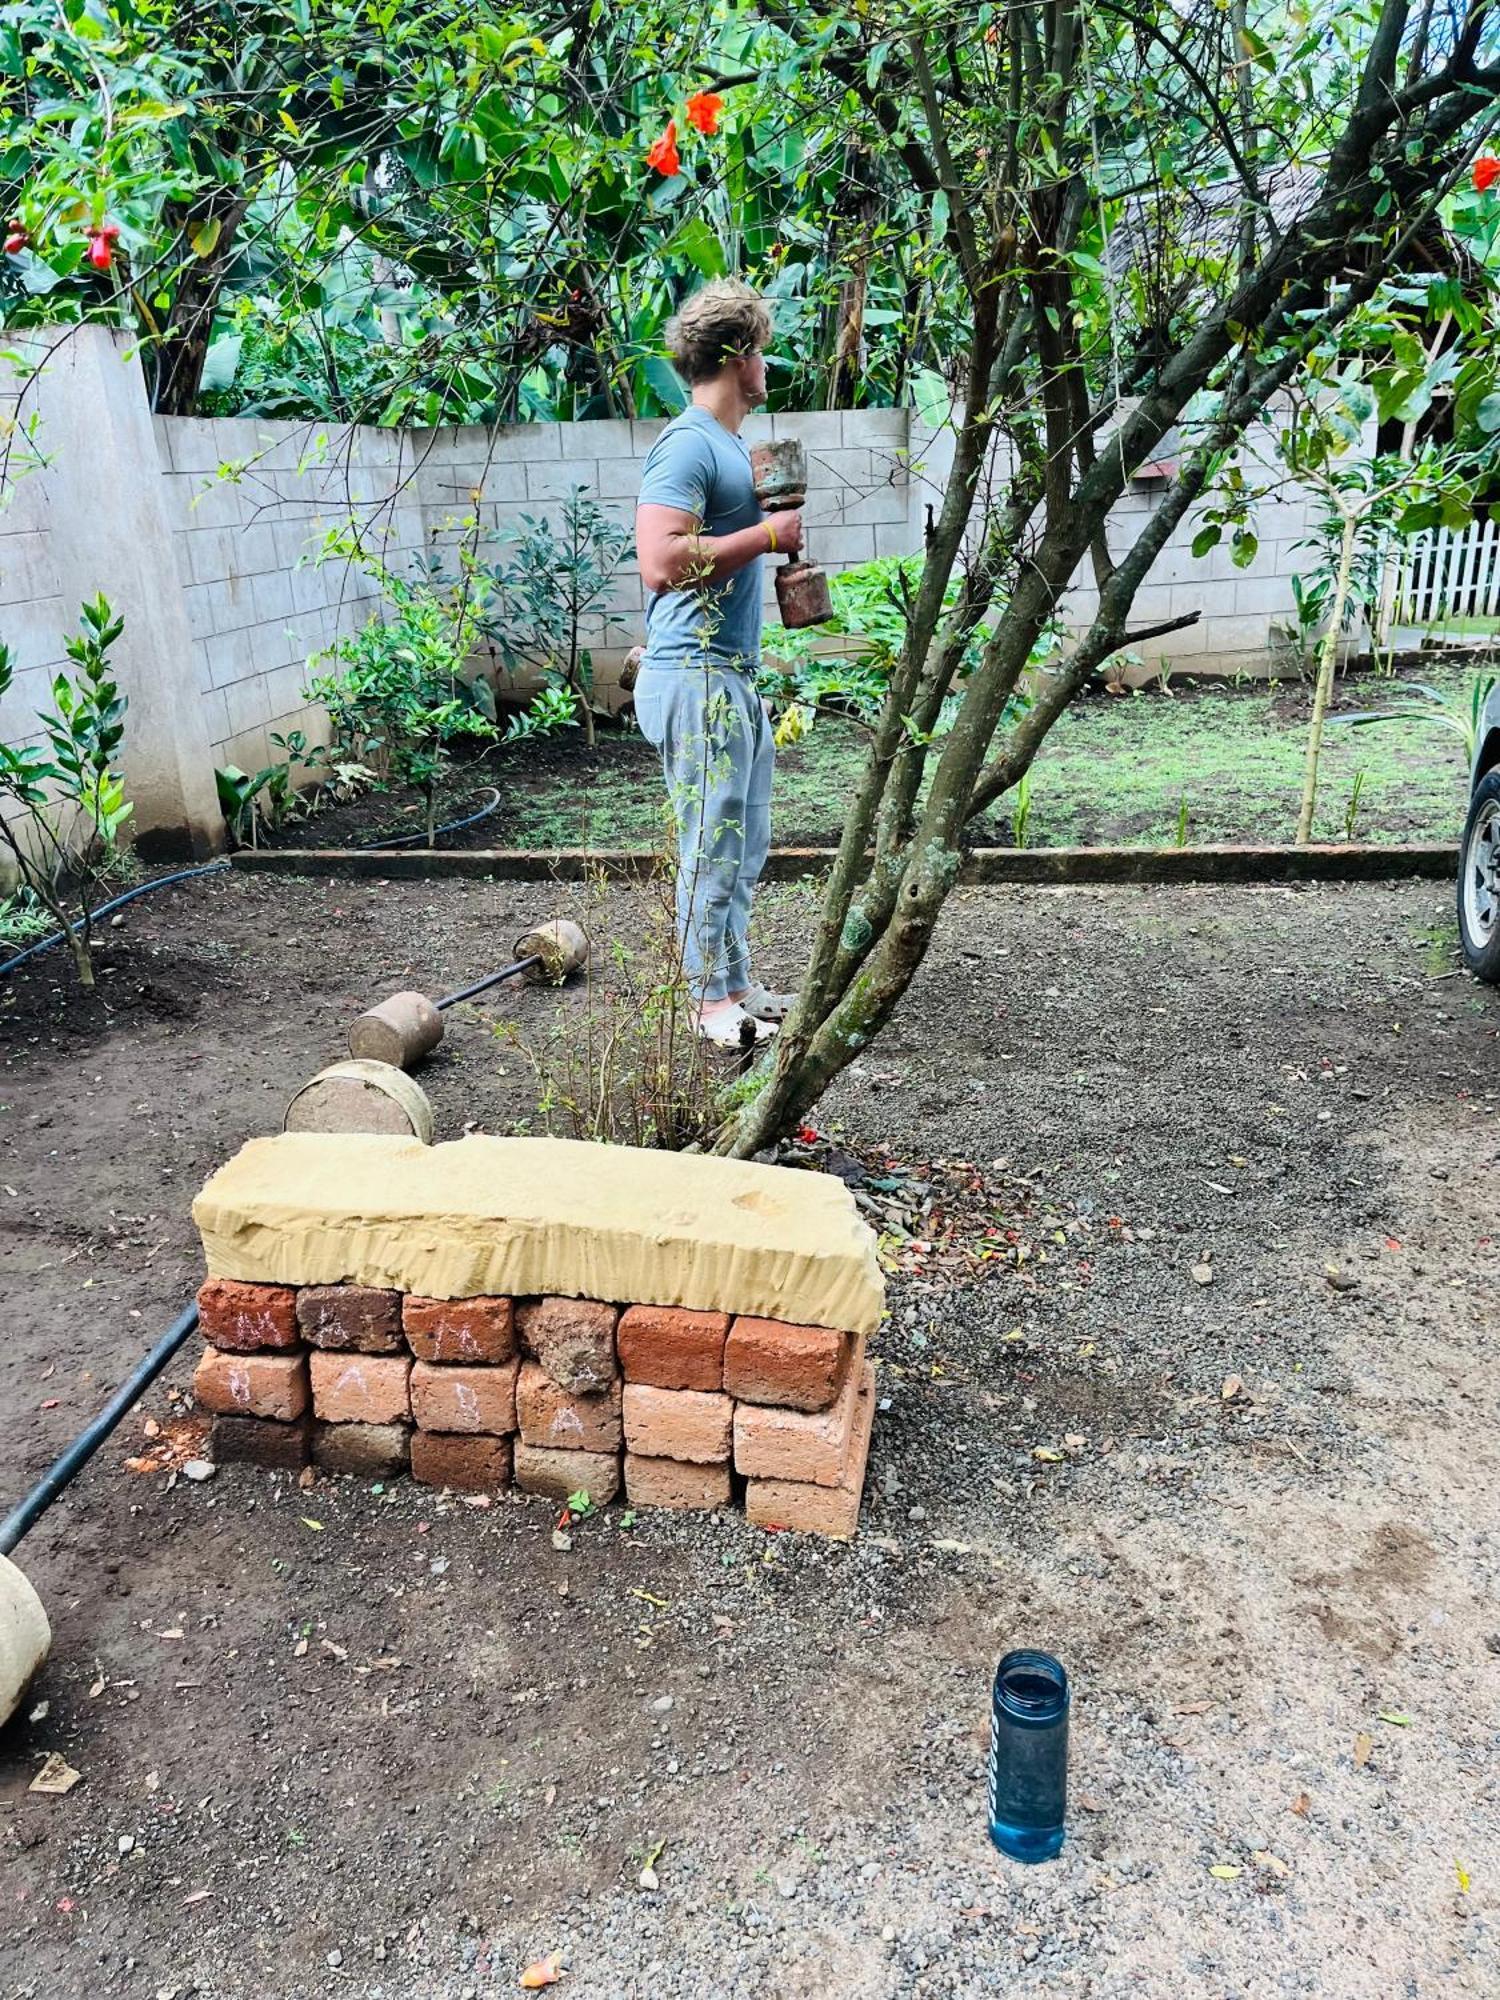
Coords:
1029,1756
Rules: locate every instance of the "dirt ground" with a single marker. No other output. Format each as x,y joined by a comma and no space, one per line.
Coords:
1263,1538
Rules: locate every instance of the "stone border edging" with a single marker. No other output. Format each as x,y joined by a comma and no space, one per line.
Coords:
1057,866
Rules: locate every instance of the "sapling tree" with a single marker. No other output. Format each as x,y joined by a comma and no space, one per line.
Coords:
62,805
558,577
1155,212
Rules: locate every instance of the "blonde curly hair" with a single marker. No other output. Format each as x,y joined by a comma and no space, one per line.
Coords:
716,325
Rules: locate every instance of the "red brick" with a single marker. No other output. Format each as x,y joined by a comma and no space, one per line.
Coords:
247,1319
461,1330
672,1348
350,1319
469,1400
361,1388
550,1416
668,1482
773,1361
573,1339
370,1451
691,1424
808,1445
819,1510
261,1441
469,1464
556,1474
252,1385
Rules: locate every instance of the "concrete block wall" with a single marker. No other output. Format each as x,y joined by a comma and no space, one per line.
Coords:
259,606
230,608
1239,608
38,607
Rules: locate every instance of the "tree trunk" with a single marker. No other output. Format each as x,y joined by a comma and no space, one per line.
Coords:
83,959
1327,660
178,371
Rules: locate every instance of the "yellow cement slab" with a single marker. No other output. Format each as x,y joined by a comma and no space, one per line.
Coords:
520,1217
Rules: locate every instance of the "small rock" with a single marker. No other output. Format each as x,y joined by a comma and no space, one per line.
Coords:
199,1469
786,1886
335,1958
663,1704
916,1513
126,1843
561,1539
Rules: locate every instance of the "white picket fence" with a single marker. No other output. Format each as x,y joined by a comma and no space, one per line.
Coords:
1443,577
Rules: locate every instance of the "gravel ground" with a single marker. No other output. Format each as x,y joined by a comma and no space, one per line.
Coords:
1262,1539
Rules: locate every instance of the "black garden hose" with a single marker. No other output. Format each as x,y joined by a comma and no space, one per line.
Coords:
116,903
416,839
64,1470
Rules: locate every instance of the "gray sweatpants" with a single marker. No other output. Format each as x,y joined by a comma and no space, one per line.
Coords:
717,754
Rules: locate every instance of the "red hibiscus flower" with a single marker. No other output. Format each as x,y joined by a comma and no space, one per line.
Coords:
664,155
703,111
1486,173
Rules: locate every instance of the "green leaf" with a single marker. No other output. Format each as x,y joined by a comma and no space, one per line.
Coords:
694,240
1206,539
221,362
662,379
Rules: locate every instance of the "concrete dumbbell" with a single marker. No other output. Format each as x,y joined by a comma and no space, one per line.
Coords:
361,1096
404,1030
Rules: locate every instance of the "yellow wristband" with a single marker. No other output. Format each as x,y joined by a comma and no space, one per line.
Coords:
771,537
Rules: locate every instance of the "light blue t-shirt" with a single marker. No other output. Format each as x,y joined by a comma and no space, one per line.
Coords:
702,469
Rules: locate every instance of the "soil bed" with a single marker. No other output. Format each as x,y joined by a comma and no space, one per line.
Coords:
354,1740
1203,762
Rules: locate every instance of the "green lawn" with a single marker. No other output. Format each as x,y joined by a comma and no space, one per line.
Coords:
1114,770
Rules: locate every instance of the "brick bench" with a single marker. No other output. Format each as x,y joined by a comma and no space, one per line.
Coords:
562,1316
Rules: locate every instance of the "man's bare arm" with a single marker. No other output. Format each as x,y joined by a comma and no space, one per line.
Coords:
672,553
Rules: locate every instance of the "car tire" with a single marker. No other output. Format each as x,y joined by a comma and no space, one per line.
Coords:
1479,881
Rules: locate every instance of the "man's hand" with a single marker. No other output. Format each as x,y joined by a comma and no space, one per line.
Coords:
787,530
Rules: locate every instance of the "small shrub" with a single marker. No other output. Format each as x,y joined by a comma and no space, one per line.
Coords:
803,677
67,802
620,1063
556,579
403,696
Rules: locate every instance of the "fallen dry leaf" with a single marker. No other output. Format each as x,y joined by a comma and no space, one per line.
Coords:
1269,1862
1225,1871
1233,1385
1300,1805
544,1972
56,1777
1364,1743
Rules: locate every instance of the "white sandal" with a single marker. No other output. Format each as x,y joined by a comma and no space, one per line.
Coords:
725,1030
763,1005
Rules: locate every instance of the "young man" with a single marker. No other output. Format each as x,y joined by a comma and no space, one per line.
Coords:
700,539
